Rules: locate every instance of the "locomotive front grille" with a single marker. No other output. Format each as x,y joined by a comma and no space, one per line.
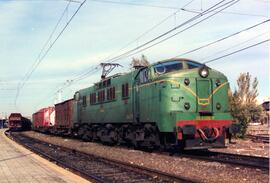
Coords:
204,91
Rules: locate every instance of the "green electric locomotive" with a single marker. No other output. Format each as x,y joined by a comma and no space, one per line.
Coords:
176,102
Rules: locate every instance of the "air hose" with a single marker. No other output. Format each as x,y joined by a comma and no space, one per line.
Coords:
207,139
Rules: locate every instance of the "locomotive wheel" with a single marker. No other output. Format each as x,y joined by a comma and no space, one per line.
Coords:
131,137
85,133
108,134
112,134
80,132
88,136
151,136
121,134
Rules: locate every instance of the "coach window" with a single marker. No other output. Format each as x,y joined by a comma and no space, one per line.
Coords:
84,100
109,94
103,95
113,93
93,98
125,90
99,96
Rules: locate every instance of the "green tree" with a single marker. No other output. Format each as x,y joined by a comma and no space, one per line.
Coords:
142,62
243,102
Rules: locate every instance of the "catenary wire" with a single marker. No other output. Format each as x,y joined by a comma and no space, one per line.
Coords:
47,51
127,53
236,45
234,52
137,38
176,33
222,39
134,4
228,12
28,74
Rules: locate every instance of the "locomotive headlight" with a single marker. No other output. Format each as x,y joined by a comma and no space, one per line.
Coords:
186,81
187,105
218,106
204,72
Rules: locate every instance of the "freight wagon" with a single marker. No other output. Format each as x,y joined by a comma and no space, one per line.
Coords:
44,119
63,117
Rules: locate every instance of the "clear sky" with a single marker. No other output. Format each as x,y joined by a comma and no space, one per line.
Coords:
101,28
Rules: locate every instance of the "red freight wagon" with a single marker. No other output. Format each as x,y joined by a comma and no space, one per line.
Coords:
64,116
44,118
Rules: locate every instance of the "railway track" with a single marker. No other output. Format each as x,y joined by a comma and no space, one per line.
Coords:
233,159
95,168
259,138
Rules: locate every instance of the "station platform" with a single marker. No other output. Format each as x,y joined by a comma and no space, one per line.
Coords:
19,165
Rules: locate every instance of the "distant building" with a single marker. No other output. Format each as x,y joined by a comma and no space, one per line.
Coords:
3,123
265,105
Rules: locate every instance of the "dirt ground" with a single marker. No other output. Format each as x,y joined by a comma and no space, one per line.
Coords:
246,146
258,130
201,171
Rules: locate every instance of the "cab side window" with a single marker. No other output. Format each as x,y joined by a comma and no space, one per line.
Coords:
144,76
192,65
84,101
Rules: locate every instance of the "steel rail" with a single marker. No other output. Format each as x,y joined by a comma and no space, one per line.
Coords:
259,138
228,158
159,176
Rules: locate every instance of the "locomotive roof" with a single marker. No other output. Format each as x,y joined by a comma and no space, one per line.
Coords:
177,59
15,114
107,79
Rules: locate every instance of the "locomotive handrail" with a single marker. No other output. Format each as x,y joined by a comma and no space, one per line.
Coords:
205,138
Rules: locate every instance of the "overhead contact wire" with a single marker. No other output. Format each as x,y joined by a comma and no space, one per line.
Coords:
234,52
44,55
131,42
178,32
222,39
162,35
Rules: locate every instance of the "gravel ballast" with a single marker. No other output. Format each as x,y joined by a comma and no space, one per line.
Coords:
196,169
